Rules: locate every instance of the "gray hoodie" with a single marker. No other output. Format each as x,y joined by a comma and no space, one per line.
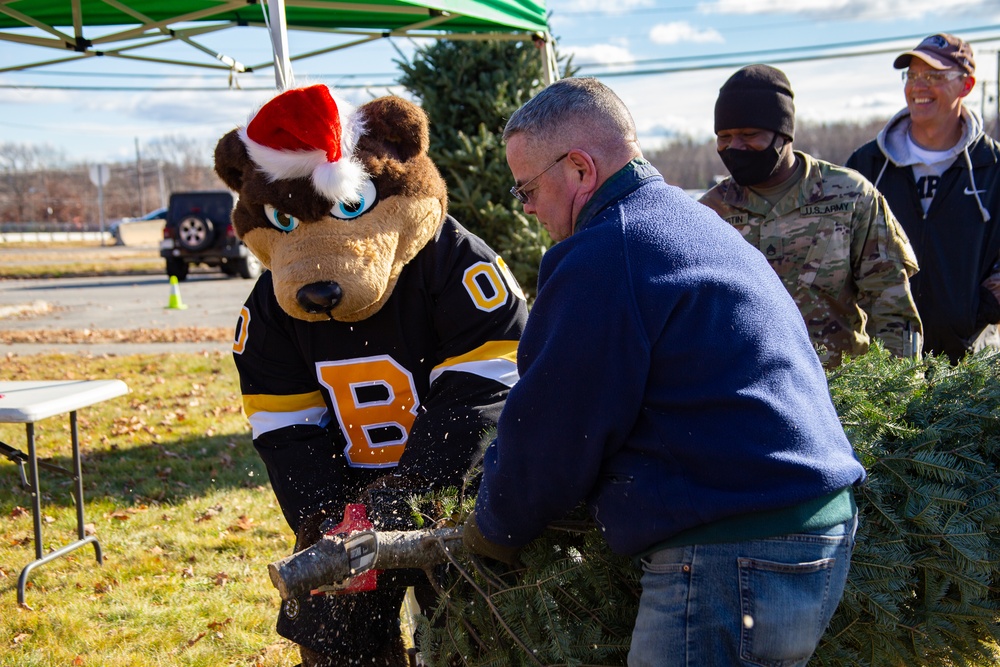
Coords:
892,140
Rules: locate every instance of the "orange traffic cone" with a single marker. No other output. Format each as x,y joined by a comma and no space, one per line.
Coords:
175,295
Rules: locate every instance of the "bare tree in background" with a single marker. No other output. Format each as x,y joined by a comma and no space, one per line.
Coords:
187,162
834,142
39,184
25,170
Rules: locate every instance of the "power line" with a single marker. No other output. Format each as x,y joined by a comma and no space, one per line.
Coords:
792,49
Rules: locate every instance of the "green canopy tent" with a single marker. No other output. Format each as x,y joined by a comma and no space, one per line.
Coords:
131,29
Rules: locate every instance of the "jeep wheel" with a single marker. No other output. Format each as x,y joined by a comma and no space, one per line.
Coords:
177,267
194,233
249,267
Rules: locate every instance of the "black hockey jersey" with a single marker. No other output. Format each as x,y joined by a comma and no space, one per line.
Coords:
415,387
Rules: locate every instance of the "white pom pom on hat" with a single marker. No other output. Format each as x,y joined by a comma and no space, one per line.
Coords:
305,132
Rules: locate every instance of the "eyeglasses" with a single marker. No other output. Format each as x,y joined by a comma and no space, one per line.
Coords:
931,78
519,190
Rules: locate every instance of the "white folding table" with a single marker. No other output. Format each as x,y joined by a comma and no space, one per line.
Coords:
27,402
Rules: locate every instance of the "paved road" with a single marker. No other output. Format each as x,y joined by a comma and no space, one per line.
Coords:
120,302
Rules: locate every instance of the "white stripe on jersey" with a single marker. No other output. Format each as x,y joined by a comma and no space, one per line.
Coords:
501,370
263,422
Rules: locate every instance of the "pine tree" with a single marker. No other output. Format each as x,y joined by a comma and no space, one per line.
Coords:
469,89
924,584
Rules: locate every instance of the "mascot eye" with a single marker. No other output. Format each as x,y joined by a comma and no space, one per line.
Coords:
349,211
282,221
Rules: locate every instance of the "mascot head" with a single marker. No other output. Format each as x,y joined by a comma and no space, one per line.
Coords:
335,201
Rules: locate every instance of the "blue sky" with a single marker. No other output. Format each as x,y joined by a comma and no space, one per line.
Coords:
665,59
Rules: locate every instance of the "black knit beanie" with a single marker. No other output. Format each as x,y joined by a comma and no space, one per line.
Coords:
756,96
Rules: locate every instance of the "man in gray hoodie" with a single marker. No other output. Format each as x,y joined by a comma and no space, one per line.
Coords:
941,176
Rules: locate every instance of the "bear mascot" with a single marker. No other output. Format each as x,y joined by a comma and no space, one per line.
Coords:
377,350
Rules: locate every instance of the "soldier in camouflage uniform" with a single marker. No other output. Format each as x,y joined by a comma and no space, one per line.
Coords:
825,230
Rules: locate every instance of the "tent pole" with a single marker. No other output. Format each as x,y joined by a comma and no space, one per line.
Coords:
279,44
550,68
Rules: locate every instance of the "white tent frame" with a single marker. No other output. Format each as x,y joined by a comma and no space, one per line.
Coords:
149,33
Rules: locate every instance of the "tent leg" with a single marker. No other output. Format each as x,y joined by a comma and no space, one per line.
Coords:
283,77
550,68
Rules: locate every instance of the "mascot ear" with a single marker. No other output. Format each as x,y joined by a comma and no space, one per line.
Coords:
400,126
231,158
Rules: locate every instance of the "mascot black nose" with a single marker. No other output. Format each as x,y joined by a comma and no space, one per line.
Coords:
318,298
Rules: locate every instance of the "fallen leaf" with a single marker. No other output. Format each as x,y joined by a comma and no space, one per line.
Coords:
209,513
242,524
218,625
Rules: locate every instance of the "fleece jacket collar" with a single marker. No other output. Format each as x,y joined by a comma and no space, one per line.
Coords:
618,185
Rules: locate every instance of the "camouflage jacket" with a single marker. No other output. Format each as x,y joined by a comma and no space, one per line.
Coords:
839,252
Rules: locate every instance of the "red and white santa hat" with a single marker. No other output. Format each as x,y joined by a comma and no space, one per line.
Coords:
304,132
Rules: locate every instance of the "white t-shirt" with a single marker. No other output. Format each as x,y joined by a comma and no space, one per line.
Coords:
927,169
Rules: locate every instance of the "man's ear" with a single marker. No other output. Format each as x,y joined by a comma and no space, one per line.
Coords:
968,83
585,167
231,158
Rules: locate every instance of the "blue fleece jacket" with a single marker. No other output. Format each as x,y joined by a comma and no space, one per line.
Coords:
666,377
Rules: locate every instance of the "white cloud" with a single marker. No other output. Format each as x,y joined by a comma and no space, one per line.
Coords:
599,54
856,9
681,32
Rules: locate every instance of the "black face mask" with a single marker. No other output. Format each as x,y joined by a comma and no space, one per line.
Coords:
749,167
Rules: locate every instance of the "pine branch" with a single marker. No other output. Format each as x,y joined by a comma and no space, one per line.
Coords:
924,584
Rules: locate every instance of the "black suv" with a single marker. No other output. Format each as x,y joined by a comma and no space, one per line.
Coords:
198,230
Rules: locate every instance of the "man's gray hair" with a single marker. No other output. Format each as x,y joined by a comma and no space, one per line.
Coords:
573,102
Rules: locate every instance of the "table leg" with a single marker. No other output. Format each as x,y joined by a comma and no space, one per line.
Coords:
36,509
78,485
36,498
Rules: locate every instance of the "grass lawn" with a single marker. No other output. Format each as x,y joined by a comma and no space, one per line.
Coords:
181,506
65,260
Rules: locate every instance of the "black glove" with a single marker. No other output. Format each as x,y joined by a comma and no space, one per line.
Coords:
476,542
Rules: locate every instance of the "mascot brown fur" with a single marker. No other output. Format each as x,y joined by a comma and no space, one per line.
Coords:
377,351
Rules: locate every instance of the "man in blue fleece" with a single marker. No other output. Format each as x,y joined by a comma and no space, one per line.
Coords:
667,379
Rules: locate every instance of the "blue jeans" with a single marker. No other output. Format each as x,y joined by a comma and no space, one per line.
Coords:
760,602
